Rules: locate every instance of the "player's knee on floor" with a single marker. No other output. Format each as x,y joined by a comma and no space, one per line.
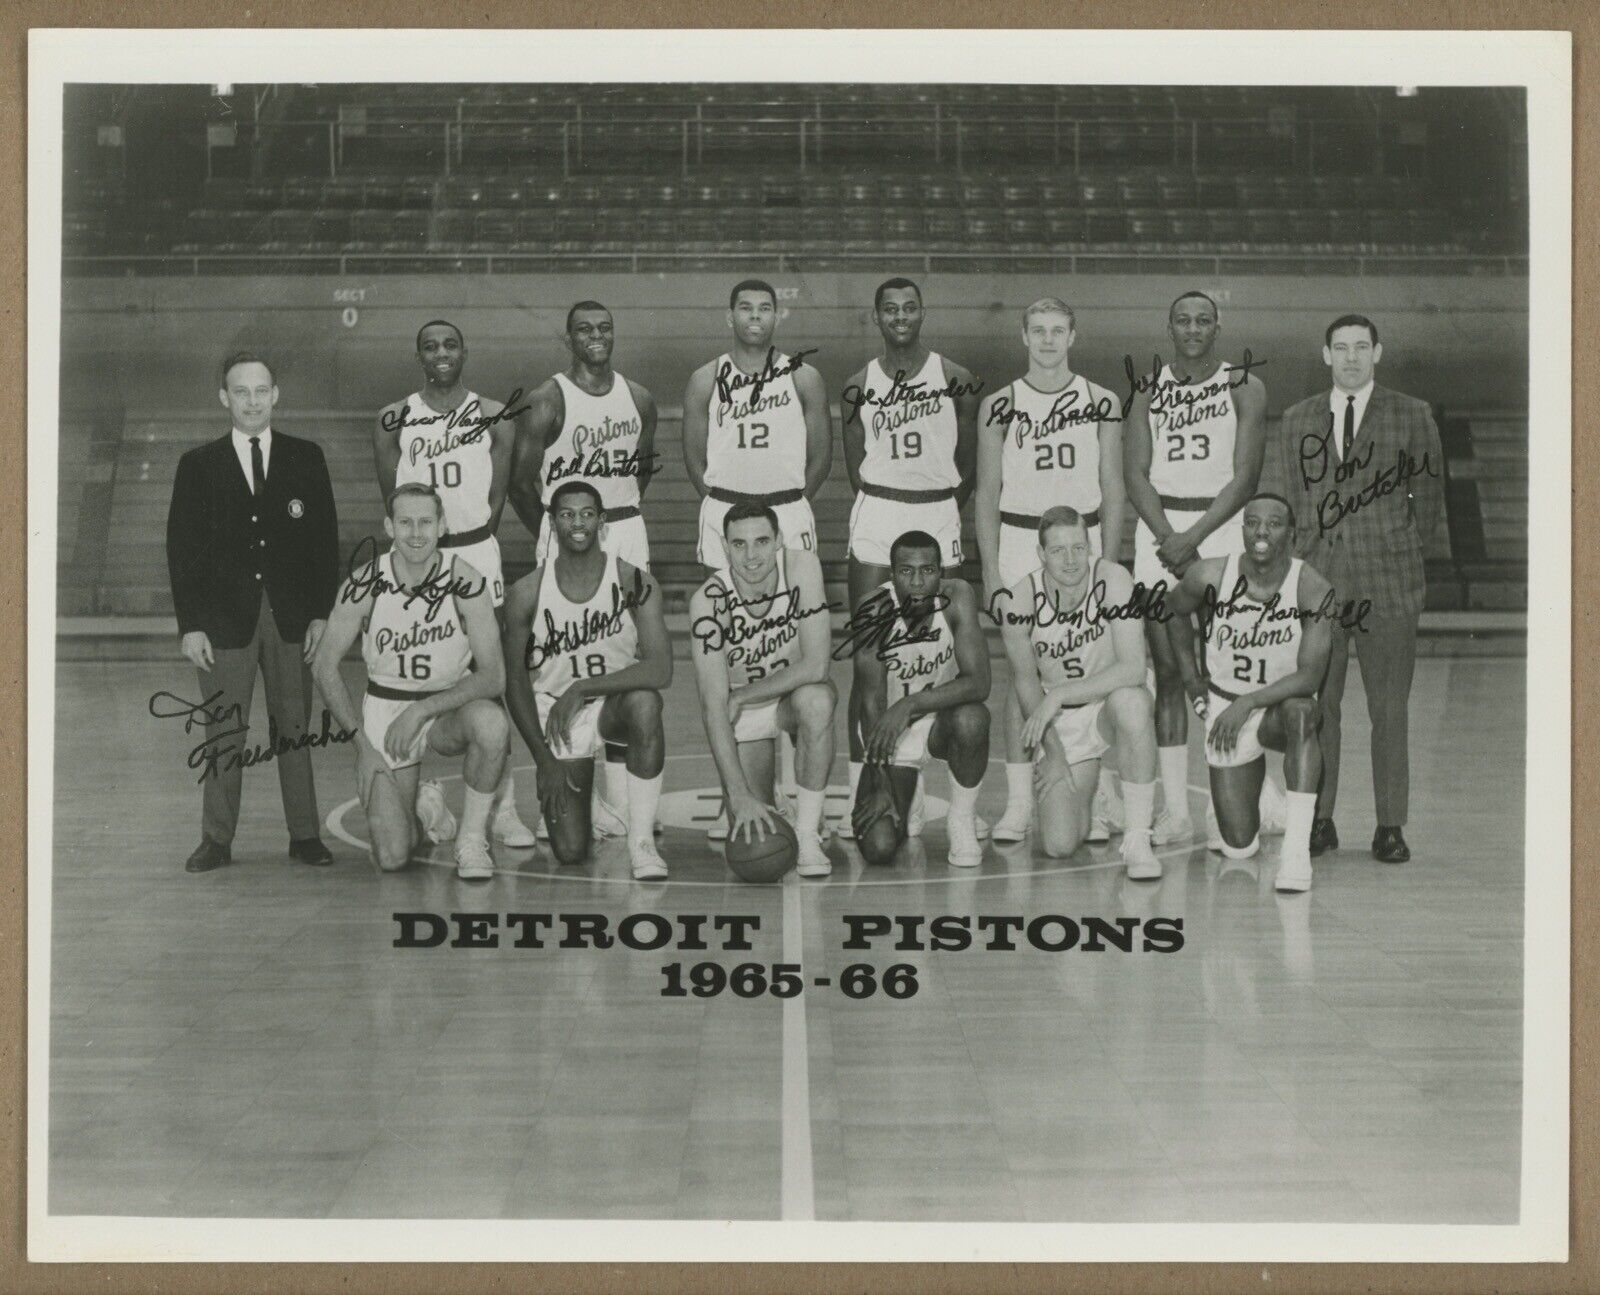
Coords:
1058,840
391,849
569,842
879,843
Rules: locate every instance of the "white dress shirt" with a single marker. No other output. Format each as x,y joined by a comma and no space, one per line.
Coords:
241,447
1338,401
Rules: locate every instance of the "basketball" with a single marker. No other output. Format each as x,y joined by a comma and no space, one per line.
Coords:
768,859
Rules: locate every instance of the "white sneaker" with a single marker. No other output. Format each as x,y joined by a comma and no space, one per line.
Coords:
438,823
648,865
1213,831
1099,830
1274,808
965,850
1141,861
1013,825
472,859
1171,828
1294,871
917,819
605,822
509,827
813,860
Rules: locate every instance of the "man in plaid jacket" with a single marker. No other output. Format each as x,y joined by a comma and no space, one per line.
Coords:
1364,473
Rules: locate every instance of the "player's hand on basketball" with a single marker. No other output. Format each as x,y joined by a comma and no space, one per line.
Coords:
558,728
403,730
1038,723
1225,732
313,638
749,816
885,735
196,646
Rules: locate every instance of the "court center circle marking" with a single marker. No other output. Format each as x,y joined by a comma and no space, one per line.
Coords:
336,816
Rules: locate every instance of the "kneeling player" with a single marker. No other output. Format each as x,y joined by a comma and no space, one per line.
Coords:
926,677
1267,640
761,637
434,673
1079,676
589,630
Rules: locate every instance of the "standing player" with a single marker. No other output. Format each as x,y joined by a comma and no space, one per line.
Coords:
924,693
1052,437
434,676
762,634
588,627
1266,650
590,424
1192,457
1079,676
909,446
756,428
459,443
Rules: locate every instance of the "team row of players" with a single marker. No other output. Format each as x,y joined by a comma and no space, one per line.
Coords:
918,439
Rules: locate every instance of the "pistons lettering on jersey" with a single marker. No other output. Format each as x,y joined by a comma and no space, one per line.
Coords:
1183,410
1065,411
586,439
423,448
757,403
1071,643
762,648
386,640
596,623
1256,636
887,420
921,667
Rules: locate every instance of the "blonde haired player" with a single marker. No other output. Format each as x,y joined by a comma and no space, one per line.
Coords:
1051,437
760,635
1192,458
459,443
1079,677
434,673
1265,621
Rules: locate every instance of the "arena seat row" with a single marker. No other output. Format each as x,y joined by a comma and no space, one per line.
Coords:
116,482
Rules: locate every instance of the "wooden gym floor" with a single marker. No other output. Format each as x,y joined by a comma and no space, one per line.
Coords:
247,1042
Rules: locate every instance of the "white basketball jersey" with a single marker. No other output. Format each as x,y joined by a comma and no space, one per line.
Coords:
925,663
1051,452
449,452
1192,431
571,641
755,644
911,439
413,643
1072,642
598,443
1251,644
755,442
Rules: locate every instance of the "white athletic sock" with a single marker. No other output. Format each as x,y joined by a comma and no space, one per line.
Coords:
808,810
1019,786
614,783
1108,781
1139,805
503,792
1297,820
1174,762
475,812
963,801
643,793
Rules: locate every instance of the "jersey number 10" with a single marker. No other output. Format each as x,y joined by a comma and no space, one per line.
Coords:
450,471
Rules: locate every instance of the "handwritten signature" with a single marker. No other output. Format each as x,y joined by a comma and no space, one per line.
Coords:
600,463
902,392
1064,412
469,414
219,751
1334,507
720,628
1144,603
433,591
1182,393
729,379
594,624
873,627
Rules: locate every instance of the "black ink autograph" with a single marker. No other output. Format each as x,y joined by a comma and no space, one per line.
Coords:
720,628
600,463
1334,507
1144,604
1179,393
469,414
902,392
595,624
730,379
873,626
219,751
433,591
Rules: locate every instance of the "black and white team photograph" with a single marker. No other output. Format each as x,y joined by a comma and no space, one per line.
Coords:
619,649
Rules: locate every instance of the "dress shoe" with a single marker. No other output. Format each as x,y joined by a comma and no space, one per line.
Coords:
1324,836
208,855
1389,846
312,851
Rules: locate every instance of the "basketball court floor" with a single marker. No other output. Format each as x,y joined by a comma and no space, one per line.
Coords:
249,1043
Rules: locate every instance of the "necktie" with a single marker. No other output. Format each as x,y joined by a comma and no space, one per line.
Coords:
1349,428
258,469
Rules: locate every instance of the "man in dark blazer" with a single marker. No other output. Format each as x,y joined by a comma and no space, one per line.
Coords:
253,556
1364,472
